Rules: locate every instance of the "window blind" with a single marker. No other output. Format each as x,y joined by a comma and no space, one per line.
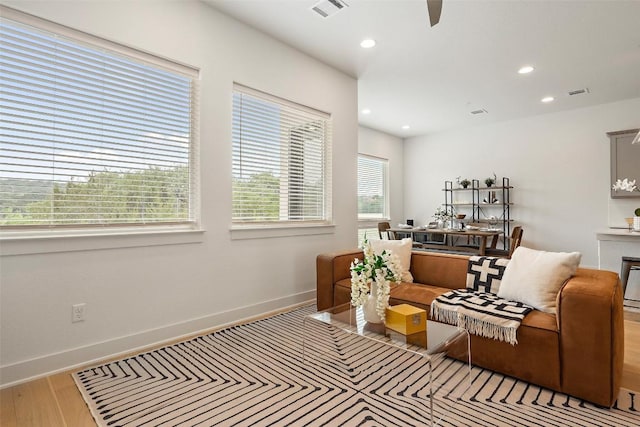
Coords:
90,136
280,163
372,188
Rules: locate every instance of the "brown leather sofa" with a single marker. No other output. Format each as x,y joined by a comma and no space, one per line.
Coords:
579,351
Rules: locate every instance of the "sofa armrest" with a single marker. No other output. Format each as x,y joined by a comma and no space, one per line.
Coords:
331,268
591,322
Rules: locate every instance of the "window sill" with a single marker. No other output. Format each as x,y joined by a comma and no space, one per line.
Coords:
71,240
270,231
368,223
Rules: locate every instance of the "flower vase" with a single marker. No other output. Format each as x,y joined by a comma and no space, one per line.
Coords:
636,223
369,307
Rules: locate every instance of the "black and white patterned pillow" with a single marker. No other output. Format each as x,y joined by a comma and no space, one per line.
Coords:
485,273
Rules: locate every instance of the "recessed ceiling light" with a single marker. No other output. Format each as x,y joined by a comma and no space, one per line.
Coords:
547,99
405,127
366,111
526,69
367,43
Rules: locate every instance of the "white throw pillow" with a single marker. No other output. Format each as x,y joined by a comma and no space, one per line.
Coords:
535,277
402,249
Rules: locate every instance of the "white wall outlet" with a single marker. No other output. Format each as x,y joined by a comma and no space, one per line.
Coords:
77,312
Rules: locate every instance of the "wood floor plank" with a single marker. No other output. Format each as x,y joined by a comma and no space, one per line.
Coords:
35,405
7,409
631,370
73,407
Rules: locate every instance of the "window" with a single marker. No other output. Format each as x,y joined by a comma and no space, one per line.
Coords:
281,154
369,233
373,200
92,133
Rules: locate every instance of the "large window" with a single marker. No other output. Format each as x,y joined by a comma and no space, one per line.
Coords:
373,200
91,132
281,153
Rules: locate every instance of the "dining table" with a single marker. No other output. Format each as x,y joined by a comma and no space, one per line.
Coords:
451,236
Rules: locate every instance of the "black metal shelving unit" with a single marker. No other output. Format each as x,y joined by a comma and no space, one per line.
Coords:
481,210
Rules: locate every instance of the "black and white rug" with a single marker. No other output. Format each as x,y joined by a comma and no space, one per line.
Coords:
255,375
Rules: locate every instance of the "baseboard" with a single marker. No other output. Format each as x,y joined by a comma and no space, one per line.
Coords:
32,369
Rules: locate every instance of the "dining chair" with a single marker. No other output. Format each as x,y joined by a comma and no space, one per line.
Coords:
383,229
628,264
515,240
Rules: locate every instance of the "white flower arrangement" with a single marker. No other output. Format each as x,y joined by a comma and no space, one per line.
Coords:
442,215
625,185
379,269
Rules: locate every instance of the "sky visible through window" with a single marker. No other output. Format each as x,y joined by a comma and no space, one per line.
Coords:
278,162
256,137
371,187
89,136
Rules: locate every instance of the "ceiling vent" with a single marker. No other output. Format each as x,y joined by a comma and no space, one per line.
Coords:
579,91
327,8
481,111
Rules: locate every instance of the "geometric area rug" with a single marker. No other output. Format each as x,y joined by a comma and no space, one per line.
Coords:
254,375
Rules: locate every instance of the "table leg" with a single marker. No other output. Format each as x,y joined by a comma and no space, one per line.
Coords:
483,245
494,241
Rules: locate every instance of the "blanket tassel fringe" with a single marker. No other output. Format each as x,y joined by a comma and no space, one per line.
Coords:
473,325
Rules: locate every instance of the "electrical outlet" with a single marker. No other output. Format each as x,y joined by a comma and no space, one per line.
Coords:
77,312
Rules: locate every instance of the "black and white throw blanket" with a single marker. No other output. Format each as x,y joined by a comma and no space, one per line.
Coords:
480,313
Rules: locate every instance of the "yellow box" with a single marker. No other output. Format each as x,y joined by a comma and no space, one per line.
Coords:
406,319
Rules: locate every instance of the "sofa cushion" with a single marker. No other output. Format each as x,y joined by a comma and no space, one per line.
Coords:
536,357
439,269
535,277
415,294
342,292
401,248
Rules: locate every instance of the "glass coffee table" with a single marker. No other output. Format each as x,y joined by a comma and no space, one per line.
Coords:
436,347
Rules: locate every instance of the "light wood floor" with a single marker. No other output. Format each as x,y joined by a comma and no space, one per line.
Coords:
55,400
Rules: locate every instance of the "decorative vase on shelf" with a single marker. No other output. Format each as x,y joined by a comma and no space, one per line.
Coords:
636,223
369,307
629,223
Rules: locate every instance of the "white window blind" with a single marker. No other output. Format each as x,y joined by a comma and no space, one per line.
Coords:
368,233
91,136
281,153
373,199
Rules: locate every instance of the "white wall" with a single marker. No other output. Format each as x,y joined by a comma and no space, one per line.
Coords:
141,294
558,164
385,146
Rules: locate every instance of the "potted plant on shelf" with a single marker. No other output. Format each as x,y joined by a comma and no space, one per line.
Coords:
465,183
490,181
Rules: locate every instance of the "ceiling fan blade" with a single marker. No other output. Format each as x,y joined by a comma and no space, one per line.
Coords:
435,9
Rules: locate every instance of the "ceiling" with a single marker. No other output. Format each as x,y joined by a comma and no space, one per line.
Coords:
431,78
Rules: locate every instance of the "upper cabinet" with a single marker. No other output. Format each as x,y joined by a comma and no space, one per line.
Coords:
625,161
